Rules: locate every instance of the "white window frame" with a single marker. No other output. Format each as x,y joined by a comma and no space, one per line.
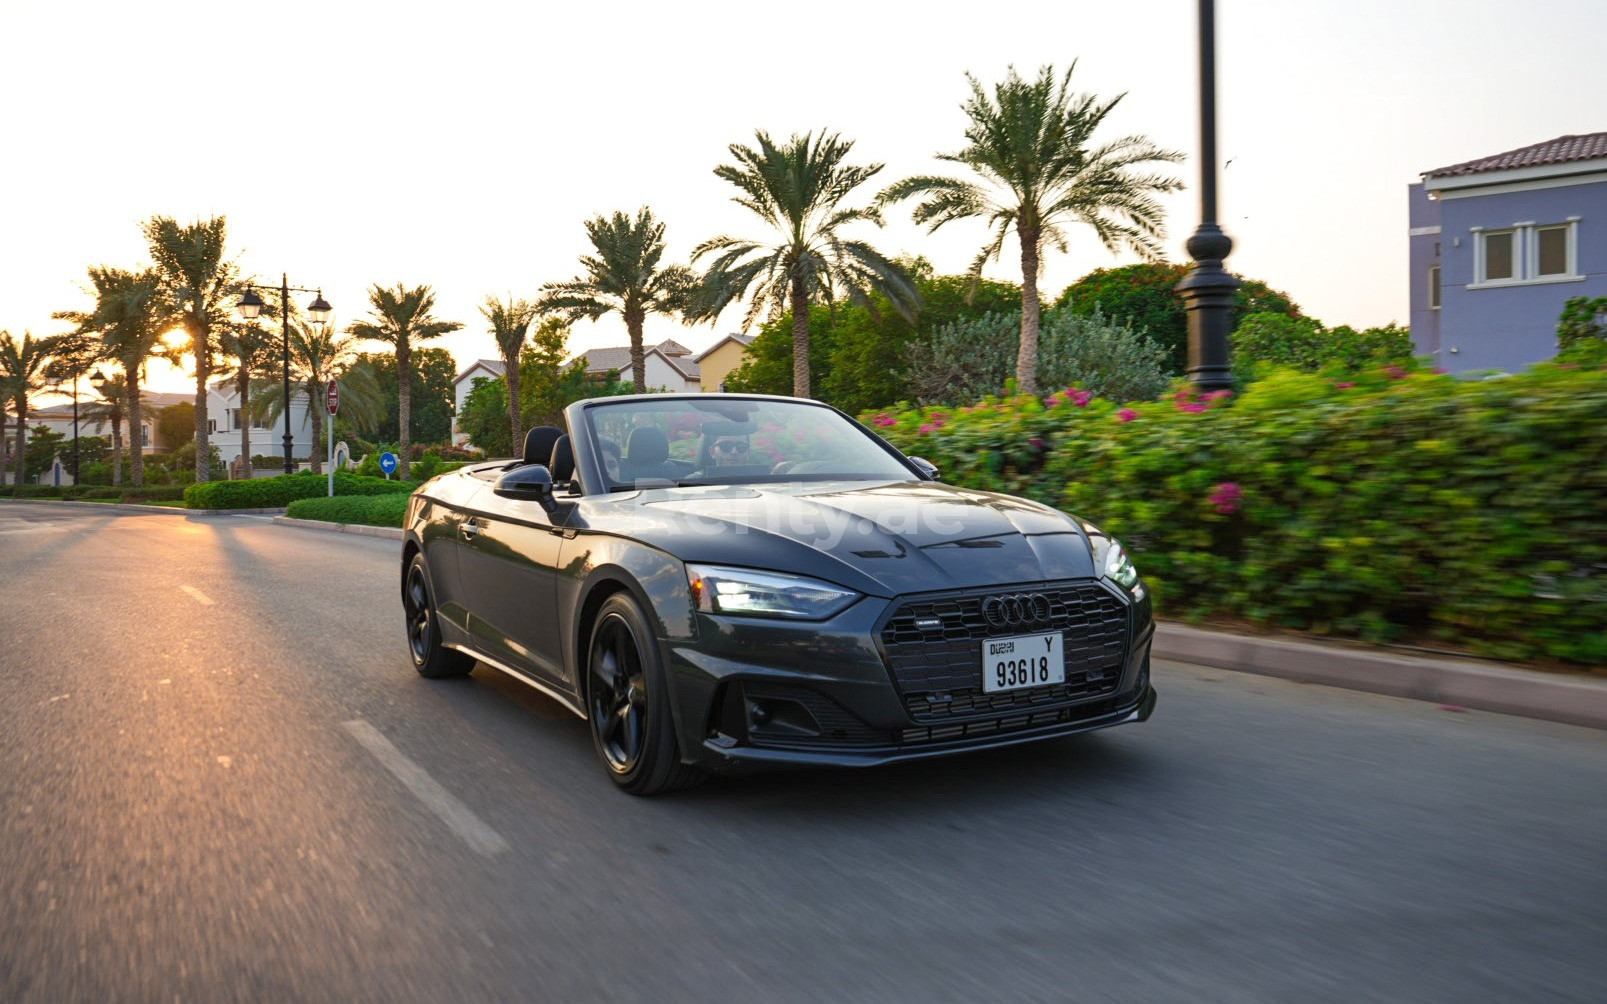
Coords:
1526,254
1570,260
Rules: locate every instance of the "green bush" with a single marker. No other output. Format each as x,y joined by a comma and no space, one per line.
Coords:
35,492
272,493
970,358
152,493
1264,340
1392,504
103,492
369,510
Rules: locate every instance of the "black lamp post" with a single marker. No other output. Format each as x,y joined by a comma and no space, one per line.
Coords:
251,307
1208,290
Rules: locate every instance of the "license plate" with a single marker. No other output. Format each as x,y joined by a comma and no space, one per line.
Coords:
1026,660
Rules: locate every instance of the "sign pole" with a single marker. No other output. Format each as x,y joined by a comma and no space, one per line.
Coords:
332,399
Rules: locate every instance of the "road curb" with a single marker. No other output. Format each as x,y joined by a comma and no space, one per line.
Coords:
135,507
388,532
1571,700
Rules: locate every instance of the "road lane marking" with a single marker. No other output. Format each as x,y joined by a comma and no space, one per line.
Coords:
198,596
426,789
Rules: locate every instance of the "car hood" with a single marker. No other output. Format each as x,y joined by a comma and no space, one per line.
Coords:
882,538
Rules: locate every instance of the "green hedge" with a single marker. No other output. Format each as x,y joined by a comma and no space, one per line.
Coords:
151,493
272,493
35,492
369,510
1392,504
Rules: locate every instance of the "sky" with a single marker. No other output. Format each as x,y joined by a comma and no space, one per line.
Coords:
464,145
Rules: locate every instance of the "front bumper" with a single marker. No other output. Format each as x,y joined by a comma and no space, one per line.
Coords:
749,694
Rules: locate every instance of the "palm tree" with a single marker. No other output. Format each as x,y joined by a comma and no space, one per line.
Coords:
623,276
1031,145
252,350
402,316
798,188
129,316
318,355
509,322
200,286
23,374
108,407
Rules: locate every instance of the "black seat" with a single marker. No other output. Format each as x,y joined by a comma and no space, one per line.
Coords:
538,444
647,455
562,463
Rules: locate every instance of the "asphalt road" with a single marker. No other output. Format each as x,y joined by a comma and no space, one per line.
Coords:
222,780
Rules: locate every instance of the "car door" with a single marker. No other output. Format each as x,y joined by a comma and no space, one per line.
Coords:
507,570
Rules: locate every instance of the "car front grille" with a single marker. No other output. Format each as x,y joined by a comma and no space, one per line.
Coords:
933,647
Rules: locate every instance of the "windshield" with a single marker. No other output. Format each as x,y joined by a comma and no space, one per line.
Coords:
705,441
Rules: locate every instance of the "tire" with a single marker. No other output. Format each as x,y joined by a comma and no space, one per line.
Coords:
628,703
430,657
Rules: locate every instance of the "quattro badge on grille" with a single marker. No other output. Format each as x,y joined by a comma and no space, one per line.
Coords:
929,623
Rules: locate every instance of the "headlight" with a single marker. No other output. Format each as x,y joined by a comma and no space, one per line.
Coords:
1112,562
745,592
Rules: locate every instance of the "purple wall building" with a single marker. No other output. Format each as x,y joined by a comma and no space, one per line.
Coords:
1498,244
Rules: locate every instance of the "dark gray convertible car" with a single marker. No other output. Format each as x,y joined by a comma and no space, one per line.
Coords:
721,582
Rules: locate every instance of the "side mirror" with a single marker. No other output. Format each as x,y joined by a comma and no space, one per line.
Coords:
926,467
532,483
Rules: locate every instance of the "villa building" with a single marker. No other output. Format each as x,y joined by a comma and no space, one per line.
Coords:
1498,244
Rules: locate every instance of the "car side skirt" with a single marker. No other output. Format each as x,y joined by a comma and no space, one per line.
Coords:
567,700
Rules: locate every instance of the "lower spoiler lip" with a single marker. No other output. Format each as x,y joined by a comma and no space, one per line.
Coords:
738,757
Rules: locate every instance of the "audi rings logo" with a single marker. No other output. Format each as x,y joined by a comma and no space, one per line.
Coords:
1016,609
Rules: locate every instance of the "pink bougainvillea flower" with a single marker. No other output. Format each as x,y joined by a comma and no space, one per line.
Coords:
1394,371
884,420
1344,385
1080,398
1052,401
928,427
1035,442
1219,395
1226,497
1127,414
1192,407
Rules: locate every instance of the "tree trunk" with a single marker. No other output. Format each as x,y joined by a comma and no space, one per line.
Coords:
201,338
315,409
800,340
633,324
404,402
3,424
1027,356
243,384
136,447
515,411
22,440
117,451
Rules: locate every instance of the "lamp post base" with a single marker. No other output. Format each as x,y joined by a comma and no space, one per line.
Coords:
1208,293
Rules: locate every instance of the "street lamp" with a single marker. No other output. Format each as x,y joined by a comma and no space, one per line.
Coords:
1208,290
251,307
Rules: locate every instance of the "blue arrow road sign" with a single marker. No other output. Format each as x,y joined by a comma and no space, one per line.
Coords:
387,463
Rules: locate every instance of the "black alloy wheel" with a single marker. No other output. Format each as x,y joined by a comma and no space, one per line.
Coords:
430,657
627,704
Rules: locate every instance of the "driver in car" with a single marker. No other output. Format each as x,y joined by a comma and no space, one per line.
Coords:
729,450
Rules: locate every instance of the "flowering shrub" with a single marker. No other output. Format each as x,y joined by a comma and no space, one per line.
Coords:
1395,503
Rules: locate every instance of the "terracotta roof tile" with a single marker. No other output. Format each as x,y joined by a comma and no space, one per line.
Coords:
1562,150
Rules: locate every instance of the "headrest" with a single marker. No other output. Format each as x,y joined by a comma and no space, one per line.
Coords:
562,464
538,443
647,445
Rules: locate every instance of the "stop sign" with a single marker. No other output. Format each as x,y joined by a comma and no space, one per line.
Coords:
332,397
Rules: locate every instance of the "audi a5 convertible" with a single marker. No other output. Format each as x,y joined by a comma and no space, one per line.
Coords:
723,582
